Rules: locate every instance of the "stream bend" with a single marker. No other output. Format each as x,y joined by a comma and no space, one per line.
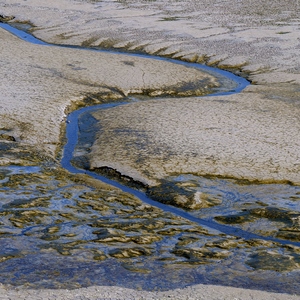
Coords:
72,138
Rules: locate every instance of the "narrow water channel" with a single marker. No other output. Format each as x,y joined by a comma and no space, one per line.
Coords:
248,237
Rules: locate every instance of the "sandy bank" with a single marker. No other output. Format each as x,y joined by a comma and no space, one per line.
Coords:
259,38
253,135
246,136
259,142
39,83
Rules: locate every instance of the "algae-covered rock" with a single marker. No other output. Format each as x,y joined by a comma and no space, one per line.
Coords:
146,239
234,219
4,18
270,213
7,137
272,260
110,235
289,233
223,244
130,252
170,193
202,255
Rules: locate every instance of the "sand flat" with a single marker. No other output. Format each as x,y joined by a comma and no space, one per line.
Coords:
41,82
259,39
242,136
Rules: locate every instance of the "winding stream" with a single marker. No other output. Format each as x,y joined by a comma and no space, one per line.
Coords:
72,136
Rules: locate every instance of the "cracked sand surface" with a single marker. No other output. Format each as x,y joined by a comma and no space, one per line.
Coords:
263,43
260,39
40,82
242,136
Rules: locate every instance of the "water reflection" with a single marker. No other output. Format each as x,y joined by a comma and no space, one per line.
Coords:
58,231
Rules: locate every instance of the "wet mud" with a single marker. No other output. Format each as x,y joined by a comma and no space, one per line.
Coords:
58,231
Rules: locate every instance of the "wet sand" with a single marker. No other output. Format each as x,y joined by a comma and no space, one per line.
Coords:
260,43
42,83
197,292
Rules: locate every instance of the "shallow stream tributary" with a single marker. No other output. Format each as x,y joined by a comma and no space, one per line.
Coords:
58,229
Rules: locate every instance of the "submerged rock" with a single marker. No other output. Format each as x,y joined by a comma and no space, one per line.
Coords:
270,213
201,255
110,235
129,252
170,193
146,239
99,255
223,244
271,260
135,268
289,233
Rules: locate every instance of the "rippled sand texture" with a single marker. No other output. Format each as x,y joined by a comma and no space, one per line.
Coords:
257,37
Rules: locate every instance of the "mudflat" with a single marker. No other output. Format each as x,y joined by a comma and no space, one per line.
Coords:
252,135
41,83
261,44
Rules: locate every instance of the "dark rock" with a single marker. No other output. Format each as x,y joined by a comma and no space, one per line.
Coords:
271,213
289,234
201,254
110,235
7,137
146,239
4,19
169,193
234,219
129,252
134,268
223,244
267,260
117,176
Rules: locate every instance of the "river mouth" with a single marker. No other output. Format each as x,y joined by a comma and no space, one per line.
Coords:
60,232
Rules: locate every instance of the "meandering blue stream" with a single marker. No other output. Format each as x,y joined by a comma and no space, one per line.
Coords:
72,138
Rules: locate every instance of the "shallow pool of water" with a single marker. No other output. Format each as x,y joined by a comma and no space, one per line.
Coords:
57,231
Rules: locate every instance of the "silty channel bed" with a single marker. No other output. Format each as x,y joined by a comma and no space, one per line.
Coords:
65,230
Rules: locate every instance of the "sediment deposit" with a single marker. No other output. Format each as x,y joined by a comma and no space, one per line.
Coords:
252,136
